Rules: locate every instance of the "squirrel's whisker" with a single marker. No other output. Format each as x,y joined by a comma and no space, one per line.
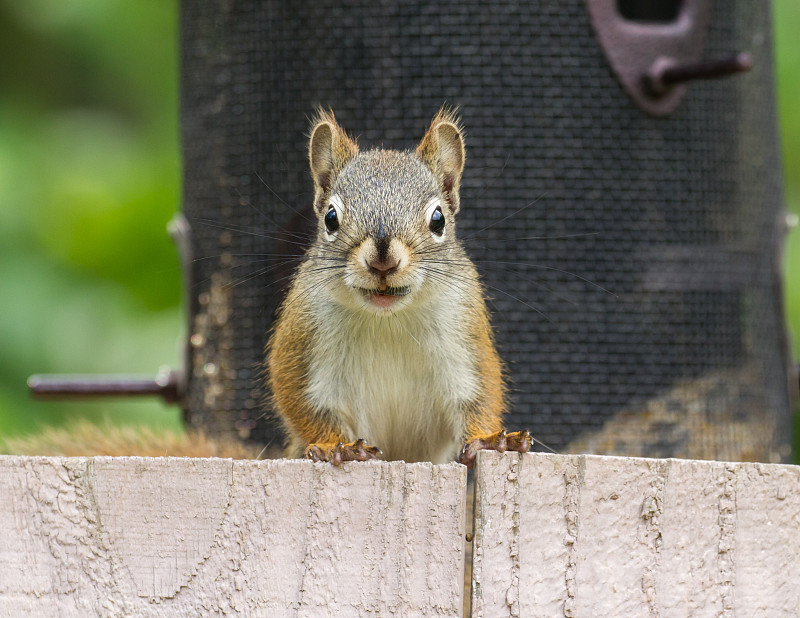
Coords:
283,201
508,216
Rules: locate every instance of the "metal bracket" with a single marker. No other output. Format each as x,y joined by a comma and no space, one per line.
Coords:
169,384
166,385
654,59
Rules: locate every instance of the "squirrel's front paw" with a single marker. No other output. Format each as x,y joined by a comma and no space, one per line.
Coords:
501,441
337,453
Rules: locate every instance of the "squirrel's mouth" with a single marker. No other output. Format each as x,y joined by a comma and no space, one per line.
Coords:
389,291
384,298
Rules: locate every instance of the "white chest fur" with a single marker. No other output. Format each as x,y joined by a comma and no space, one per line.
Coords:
399,381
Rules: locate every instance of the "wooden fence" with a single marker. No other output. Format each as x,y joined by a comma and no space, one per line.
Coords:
553,536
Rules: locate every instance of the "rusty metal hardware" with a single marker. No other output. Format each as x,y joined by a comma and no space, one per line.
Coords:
180,232
665,74
653,59
169,384
165,385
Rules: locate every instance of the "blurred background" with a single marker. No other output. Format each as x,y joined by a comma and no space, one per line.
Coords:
90,176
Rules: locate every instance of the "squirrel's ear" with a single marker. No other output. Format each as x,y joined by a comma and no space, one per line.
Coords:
329,150
442,150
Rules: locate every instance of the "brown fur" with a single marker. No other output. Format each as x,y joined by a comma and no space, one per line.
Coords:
484,416
287,353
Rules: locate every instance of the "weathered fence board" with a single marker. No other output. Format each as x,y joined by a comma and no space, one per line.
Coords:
554,536
157,537
607,536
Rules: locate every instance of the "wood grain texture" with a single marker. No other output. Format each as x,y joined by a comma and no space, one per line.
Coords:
554,536
181,537
590,536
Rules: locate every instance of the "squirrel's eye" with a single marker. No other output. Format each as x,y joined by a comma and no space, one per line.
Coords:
436,224
331,220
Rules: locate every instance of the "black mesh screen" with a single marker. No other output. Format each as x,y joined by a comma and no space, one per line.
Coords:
632,261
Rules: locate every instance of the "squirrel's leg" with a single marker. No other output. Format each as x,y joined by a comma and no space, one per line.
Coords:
316,437
484,432
483,427
312,433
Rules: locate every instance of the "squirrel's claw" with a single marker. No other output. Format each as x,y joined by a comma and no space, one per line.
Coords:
519,441
340,452
315,453
359,451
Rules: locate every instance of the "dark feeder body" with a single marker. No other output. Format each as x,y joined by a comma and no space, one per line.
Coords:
676,209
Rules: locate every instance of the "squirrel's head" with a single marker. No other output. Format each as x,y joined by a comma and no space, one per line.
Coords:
386,217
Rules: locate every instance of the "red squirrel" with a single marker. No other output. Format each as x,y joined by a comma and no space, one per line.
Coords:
383,346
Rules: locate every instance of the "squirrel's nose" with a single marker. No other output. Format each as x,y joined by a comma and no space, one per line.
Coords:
383,267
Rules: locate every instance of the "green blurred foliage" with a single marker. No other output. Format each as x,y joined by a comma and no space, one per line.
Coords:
787,48
786,19
90,175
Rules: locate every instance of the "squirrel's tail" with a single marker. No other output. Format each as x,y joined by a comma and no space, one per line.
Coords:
83,438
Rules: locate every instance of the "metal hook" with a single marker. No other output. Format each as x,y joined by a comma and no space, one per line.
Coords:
664,73
167,385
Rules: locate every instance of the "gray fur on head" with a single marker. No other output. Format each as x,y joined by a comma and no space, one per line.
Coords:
385,192
384,189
